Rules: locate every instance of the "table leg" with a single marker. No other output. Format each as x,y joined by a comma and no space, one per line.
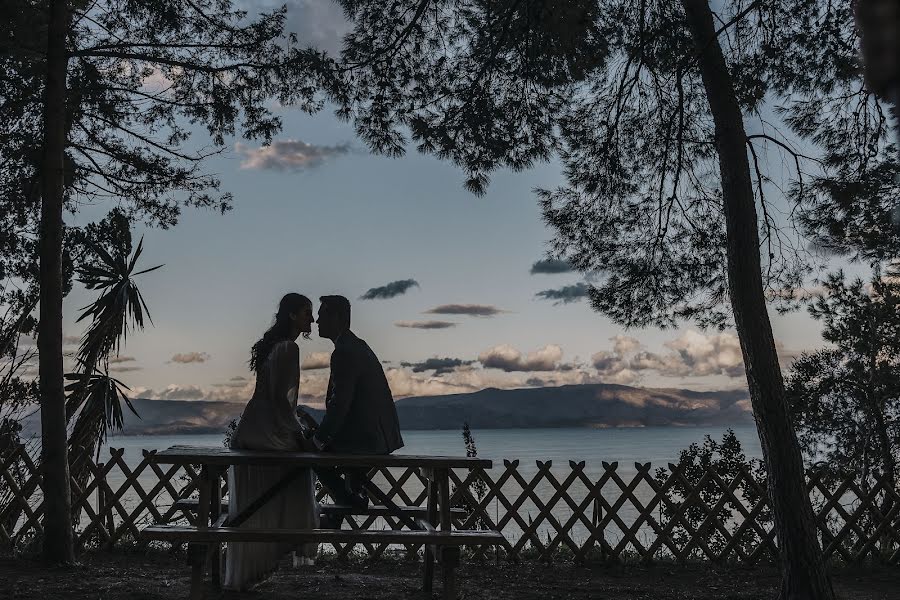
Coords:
198,551
431,505
215,511
449,554
196,558
449,563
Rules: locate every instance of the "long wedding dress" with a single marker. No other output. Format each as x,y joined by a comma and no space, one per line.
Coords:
269,422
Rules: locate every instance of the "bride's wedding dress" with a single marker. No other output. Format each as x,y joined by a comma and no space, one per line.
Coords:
269,422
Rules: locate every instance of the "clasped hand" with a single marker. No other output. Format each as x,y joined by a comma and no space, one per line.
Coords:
308,427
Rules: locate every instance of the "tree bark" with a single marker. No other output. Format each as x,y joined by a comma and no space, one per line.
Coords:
803,569
58,544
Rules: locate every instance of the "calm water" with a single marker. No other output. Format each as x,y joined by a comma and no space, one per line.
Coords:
657,445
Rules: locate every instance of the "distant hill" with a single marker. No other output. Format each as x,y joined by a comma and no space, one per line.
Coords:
588,405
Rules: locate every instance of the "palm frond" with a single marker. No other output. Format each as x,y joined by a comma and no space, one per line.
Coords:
119,308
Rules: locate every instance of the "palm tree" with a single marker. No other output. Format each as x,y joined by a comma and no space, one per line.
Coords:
95,399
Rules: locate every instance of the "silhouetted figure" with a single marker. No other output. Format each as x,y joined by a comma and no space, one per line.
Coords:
360,417
269,422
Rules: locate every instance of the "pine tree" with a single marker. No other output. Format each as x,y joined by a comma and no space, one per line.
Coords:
110,95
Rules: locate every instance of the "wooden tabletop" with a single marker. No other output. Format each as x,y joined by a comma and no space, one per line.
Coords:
197,455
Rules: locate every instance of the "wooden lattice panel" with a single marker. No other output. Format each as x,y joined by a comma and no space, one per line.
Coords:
545,512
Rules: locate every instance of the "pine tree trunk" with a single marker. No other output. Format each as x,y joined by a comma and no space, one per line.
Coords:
802,564
58,535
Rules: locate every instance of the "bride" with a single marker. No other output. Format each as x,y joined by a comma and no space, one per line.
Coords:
270,423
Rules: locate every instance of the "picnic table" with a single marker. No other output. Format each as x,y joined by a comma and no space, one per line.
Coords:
430,525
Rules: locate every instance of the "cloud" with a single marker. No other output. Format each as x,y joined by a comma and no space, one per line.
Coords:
465,378
404,384
316,360
288,155
121,359
440,366
550,266
691,354
318,24
71,340
125,369
190,357
230,384
623,344
314,384
695,355
391,290
507,358
219,392
238,378
474,310
563,377
425,324
171,392
566,294
799,293
614,367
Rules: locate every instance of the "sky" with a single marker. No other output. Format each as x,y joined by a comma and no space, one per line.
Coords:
316,213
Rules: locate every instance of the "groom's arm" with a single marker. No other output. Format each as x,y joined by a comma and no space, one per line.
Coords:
343,377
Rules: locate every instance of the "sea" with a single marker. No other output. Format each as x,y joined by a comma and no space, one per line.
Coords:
625,446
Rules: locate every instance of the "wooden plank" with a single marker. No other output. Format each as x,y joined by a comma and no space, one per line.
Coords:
512,510
443,485
562,493
186,533
479,510
115,499
190,504
449,563
197,566
449,556
428,525
33,516
224,456
218,519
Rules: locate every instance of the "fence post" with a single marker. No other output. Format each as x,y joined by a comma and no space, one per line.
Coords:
104,510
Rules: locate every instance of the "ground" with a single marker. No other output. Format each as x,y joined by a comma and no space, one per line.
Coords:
161,576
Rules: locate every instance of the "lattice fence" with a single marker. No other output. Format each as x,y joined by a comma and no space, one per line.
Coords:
545,511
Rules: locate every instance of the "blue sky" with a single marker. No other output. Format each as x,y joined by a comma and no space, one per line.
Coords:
318,214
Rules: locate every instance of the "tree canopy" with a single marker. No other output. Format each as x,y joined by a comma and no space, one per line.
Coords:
614,91
153,88
109,102
846,398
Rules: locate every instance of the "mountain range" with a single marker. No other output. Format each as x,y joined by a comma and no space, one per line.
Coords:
586,405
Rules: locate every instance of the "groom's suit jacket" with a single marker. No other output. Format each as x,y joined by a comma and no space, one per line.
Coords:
360,417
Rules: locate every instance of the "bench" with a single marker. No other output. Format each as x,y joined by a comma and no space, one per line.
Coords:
193,534
190,505
430,526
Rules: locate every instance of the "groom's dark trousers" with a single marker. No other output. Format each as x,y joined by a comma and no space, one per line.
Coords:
360,417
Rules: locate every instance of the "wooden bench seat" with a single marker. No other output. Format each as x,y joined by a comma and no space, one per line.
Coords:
373,510
207,535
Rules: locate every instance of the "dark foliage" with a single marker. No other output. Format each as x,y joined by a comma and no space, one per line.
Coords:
845,399
614,90
477,488
702,492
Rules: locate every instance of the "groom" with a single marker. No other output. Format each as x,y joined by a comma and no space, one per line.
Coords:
360,417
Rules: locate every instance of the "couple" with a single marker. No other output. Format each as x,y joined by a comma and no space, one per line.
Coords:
359,418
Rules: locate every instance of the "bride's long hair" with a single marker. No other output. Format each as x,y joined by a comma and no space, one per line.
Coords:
280,329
